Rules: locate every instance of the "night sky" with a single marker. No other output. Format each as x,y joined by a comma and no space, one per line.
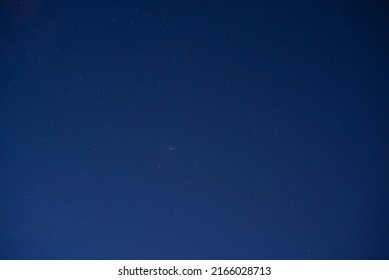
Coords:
194,129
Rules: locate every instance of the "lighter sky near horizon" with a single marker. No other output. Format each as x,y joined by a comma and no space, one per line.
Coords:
194,130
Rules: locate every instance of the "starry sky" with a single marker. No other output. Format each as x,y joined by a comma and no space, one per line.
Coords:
194,129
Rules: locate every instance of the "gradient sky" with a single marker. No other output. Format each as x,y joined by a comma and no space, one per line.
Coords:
194,129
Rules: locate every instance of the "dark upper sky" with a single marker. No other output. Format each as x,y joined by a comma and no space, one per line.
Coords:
194,129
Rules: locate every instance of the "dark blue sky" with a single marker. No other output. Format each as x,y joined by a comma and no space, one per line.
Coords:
194,129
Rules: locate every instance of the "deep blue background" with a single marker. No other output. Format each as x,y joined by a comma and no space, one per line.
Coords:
194,129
